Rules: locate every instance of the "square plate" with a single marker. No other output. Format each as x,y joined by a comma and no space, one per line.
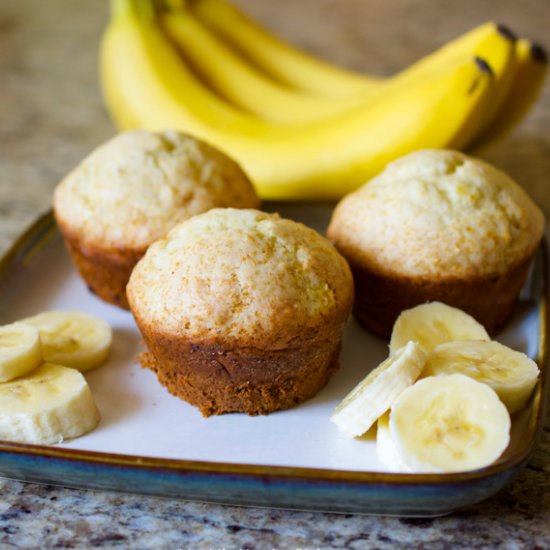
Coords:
151,442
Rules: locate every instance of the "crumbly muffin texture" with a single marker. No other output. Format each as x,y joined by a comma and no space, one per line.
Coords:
438,214
241,276
133,189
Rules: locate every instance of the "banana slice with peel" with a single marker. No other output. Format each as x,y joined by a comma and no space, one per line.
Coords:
376,393
72,338
432,324
386,449
510,373
20,350
449,424
46,406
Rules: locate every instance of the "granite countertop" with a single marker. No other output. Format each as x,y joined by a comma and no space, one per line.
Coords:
52,115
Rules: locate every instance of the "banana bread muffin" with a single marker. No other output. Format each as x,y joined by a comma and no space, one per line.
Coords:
241,311
130,192
437,225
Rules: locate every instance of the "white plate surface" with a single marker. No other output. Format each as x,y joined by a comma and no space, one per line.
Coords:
140,418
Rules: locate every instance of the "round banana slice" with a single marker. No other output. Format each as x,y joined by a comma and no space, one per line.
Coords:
510,373
432,324
386,449
46,406
373,396
72,338
449,424
20,350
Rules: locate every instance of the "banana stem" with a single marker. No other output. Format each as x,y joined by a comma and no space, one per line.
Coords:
538,53
140,8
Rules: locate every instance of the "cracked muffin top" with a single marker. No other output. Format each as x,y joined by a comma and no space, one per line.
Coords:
241,275
438,214
133,189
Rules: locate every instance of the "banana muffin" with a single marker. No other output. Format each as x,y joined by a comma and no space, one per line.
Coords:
131,191
437,225
241,311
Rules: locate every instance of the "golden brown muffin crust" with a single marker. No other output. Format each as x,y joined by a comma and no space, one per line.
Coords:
381,298
438,214
106,272
219,379
130,191
241,274
437,225
241,311
133,189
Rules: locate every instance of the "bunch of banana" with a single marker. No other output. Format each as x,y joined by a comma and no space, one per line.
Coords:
302,72
43,402
303,129
442,400
242,84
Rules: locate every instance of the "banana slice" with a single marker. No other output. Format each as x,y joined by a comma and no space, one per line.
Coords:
46,406
376,393
432,324
72,338
386,449
449,424
510,373
20,350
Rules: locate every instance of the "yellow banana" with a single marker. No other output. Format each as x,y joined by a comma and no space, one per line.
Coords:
246,87
146,84
531,71
498,50
517,90
238,81
285,63
504,80
295,68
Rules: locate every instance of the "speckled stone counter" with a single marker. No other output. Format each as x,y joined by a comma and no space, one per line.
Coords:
51,115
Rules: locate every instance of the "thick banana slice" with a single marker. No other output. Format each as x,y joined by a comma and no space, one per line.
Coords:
386,449
432,324
449,424
376,393
46,406
72,338
510,373
19,350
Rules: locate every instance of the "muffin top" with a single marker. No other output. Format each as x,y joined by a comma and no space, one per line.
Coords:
440,215
241,275
133,189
